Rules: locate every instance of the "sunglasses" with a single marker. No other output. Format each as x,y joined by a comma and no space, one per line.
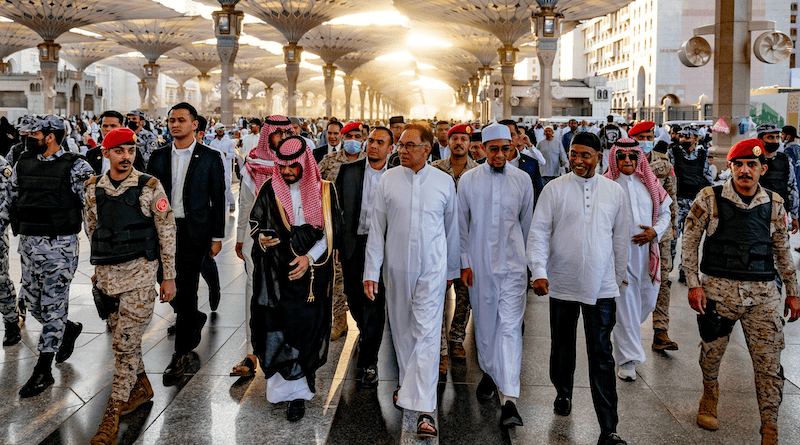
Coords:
631,156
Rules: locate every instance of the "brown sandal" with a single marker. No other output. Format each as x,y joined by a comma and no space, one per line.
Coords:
394,398
246,368
425,419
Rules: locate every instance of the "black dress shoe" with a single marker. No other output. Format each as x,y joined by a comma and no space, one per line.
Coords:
172,328
295,410
369,379
510,415
610,439
177,366
39,381
200,322
213,299
13,336
486,388
562,406
71,333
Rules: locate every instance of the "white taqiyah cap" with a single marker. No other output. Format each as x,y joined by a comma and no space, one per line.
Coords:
495,131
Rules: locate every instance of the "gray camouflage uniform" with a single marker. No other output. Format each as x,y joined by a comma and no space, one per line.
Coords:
48,263
146,143
8,297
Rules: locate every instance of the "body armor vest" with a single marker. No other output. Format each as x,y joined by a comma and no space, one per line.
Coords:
46,205
777,177
741,247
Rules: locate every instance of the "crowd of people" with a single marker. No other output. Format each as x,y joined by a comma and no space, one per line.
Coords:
383,220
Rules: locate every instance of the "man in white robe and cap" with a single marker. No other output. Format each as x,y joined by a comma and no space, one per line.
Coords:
495,206
414,236
648,208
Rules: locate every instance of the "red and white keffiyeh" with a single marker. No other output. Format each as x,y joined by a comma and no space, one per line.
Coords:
654,187
295,150
257,169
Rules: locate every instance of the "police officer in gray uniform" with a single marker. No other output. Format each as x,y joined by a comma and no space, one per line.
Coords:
44,207
8,303
146,141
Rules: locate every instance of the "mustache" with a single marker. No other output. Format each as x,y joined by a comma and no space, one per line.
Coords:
745,176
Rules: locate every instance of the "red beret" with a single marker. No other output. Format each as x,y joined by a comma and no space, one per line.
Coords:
119,136
461,128
747,148
352,126
641,127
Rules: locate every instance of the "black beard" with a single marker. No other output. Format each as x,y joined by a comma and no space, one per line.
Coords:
498,169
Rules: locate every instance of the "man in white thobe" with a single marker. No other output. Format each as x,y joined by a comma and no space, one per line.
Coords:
495,207
578,254
414,236
648,223
227,149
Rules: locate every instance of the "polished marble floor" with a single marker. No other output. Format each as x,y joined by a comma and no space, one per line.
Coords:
209,407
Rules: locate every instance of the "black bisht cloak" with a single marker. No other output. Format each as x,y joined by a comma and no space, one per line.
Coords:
291,331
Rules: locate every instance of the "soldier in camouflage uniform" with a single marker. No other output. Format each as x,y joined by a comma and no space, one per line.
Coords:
127,260
329,169
45,208
458,139
8,297
146,141
746,243
662,168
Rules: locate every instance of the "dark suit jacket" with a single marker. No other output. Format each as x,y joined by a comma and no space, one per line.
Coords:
349,184
95,158
203,192
320,152
436,152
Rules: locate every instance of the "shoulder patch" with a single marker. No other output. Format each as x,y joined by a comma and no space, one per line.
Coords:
162,204
7,172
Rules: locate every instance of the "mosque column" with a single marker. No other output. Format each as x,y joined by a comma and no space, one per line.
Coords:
204,81
142,93
362,93
292,55
486,75
508,58
151,79
474,84
227,28
546,27
268,98
371,101
731,68
245,91
48,62
348,90
181,94
329,73
378,110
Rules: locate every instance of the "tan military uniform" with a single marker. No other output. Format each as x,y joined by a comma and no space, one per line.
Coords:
755,303
329,169
458,327
133,281
662,168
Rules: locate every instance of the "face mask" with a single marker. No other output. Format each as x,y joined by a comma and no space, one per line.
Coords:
133,125
771,147
646,146
32,144
352,146
686,144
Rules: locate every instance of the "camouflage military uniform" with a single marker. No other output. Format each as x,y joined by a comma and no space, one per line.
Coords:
329,170
8,297
146,143
132,281
754,303
48,263
458,326
662,168
685,204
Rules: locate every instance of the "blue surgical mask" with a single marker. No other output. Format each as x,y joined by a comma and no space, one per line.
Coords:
646,146
352,146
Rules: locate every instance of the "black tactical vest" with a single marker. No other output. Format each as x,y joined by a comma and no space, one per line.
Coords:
741,247
123,232
689,173
46,205
777,177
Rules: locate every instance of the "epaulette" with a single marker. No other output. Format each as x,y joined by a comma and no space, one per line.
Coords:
148,180
90,181
661,155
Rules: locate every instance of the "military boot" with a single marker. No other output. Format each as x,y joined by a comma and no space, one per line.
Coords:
141,393
707,412
339,325
769,434
13,336
109,427
661,341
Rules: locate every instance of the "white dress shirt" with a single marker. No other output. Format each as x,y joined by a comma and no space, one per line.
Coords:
180,165
371,179
580,238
